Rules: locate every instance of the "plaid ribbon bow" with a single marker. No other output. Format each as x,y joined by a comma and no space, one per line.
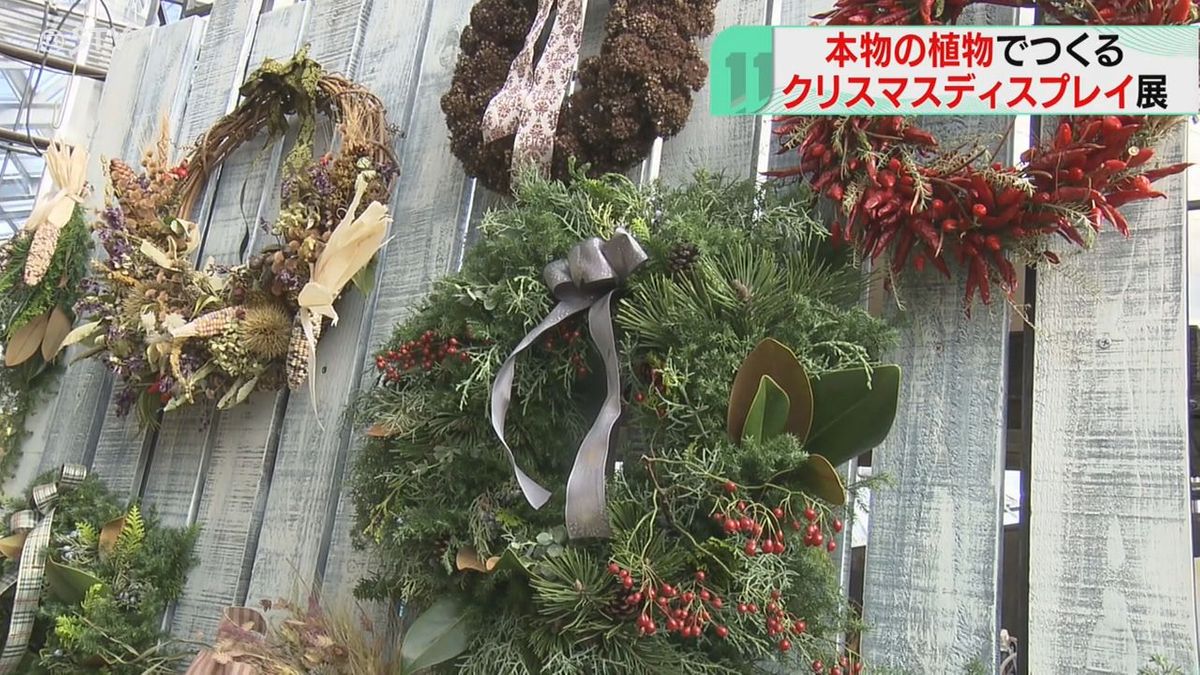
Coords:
33,537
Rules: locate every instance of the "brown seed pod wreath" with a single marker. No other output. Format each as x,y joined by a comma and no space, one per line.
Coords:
900,195
174,332
638,89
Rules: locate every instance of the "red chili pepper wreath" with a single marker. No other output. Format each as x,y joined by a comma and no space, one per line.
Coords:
898,193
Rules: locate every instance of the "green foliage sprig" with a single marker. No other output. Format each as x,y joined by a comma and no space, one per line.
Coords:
116,628
730,263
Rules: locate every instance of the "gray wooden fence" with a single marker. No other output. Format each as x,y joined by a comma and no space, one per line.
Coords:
1109,555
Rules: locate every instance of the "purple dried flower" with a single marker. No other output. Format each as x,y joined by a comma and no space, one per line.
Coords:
125,400
320,179
114,217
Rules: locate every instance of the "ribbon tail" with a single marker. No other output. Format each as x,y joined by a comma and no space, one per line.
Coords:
504,112
587,513
501,397
28,595
534,141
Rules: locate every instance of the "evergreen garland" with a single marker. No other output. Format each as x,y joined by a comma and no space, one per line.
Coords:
22,385
117,627
730,264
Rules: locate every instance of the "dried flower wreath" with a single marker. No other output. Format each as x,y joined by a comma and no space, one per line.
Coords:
638,89
898,193
174,332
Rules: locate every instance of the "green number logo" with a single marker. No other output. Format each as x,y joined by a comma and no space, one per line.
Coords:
743,84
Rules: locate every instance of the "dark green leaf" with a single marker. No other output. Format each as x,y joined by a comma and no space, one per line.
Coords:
68,584
768,414
851,413
364,280
441,633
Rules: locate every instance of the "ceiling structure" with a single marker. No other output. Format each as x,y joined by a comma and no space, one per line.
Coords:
33,99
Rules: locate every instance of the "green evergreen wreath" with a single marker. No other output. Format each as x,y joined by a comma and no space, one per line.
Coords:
110,573
499,587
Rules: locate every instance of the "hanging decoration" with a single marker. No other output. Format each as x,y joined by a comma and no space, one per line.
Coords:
91,579
174,332
505,109
902,196
701,539
41,268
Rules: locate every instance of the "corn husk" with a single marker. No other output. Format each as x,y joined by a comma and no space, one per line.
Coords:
68,169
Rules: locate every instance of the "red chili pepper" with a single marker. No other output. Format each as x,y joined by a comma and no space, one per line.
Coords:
919,136
1063,137
1143,155
904,244
937,261
1163,172
1180,12
980,270
1007,273
1126,196
927,232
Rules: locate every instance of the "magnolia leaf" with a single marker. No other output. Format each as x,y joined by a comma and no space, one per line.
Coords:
89,353
80,333
772,358
852,413
818,478
68,584
156,254
58,326
237,393
109,534
468,559
438,635
768,414
11,546
26,341
380,431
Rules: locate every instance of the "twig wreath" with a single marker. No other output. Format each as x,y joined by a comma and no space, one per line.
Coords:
899,195
174,332
503,111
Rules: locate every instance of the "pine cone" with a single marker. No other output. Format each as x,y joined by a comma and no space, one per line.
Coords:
298,356
122,176
682,257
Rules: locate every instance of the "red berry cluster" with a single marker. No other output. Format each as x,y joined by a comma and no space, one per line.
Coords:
568,336
422,353
180,172
685,610
923,214
846,665
753,519
654,377
778,622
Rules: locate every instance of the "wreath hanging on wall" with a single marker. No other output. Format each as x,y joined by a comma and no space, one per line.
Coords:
87,581
708,550
40,271
638,89
174,332
902,197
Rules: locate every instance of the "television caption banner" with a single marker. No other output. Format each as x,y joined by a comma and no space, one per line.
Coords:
960,70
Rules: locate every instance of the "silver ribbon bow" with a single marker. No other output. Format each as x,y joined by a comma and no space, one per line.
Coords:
32,568
586,279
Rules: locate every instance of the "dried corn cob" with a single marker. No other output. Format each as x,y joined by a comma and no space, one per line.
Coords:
210,324
299,357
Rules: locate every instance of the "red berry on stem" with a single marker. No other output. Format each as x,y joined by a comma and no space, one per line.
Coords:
722,632
785,644
627,582
614,568
837,525
799,627
810,514
751,548
832,546
835,671
730,486
817,666
777,512
700,575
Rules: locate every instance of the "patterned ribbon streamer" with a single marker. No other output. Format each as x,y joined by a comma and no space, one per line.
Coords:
532,96
587,279
32,536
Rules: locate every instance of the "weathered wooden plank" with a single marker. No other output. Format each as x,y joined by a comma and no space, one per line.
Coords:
933,555
221,470
83,389
120,450
1110,580
311,449
416,111
716,144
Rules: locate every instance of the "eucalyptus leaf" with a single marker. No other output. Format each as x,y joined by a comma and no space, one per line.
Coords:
555,550
559,532
545,539
852,412
438,635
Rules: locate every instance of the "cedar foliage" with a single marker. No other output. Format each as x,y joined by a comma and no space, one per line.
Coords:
433,478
